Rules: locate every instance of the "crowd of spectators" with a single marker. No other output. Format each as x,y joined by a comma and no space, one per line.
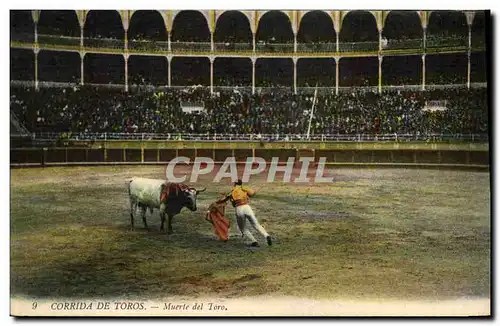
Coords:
237,111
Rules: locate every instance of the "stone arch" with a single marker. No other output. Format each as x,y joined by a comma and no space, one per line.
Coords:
22,26
358,26
402,24
267,24
104,23
447,23
198,26
232,24
138,29
59,22
312,23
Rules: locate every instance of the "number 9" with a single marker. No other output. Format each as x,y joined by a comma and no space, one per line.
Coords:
34,305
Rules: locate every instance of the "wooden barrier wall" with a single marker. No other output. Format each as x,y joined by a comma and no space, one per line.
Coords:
61,156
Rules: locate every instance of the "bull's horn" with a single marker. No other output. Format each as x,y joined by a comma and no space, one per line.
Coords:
202,190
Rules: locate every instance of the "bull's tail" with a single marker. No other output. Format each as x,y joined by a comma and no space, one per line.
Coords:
129,183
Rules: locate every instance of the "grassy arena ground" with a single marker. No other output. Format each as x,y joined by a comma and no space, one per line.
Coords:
372,233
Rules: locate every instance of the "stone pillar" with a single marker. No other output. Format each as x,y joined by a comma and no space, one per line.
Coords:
423,72
169,42
295,43
425,38
253,39
126,42
253,73
468,70
468,56
380,58
36,50
169,60
379,41
212,47
81,37
82,68
211,74
126,56
337,41
36,33
295,74
337,77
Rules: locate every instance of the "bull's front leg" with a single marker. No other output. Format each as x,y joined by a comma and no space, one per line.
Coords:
169,230
143,213
132,211
163,208
162,226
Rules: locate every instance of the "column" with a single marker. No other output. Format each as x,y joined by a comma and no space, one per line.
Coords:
211,75
82,58
126,42
379,40
295,43
468,57
470,37
468,70
169,43
337,62
423,72
169,60
212,41
253,73
36,66
295,74
125,56
253,38
425,38
81,37
36,49
36,33
380,58
337,41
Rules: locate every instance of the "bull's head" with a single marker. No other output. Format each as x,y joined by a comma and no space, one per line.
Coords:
190,196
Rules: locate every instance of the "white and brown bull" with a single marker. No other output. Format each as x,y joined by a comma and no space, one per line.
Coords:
169,198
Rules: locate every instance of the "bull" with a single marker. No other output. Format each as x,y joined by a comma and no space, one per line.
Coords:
169,198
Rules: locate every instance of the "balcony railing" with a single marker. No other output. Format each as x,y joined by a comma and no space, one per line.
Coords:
450,42
233,47
156,46
274,48
321,90
191,46
358,47
433,42
263,137
104,43
58,40
403,44
316,47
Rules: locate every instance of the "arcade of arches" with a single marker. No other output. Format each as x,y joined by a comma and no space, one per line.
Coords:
234,26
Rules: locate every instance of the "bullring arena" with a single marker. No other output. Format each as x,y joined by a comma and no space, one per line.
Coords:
397,104
372,235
